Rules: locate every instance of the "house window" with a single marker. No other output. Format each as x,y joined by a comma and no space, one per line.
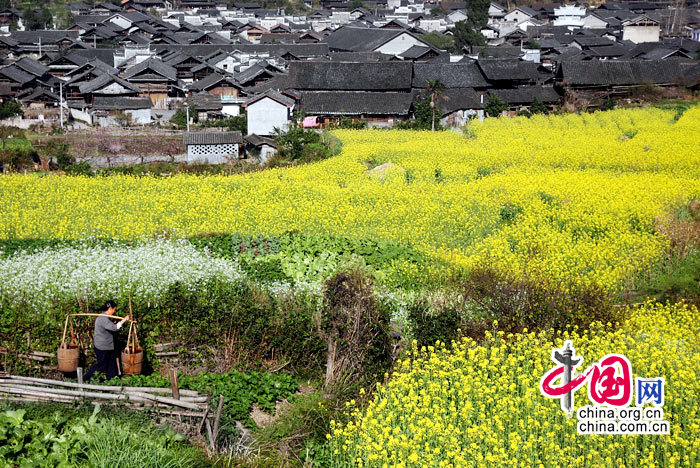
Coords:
225,67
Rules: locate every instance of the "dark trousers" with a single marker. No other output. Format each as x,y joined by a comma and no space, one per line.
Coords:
106,362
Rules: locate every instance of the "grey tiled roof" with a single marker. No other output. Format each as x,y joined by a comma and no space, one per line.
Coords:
527,95
155,65
275,95
619,72
104,80
205,102
350,76
356,103
352,39
508,69
459,99
121,103
211,81
451,75
16,74
212,138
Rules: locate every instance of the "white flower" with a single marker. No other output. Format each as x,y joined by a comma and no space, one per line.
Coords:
144,271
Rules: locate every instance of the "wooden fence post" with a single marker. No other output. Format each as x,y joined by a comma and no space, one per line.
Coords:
218,417
173,383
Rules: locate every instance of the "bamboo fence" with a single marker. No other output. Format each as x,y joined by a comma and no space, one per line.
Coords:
166,402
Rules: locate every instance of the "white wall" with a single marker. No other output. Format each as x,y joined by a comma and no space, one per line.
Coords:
432,25
399,45
212,154
593,22
638,34
232,110
139,116
80,115
265,115
516,16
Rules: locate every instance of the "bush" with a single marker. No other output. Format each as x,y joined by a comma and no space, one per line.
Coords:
495,107
538,107
10,109
422,117
18,158
65,161
237,123
352,124
299,145
355,327
533,303
429,326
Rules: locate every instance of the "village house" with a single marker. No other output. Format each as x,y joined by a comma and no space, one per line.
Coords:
641,29
212,147
269,112
136,109
157,81
378,109
368,63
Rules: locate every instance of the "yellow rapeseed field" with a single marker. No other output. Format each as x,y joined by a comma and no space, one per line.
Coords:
479,405
572,196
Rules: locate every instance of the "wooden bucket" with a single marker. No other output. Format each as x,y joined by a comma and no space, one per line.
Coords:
132,361
68,357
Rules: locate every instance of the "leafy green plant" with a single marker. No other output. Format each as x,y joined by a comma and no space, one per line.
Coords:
59,440
239,389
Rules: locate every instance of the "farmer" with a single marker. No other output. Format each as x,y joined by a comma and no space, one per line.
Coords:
104,342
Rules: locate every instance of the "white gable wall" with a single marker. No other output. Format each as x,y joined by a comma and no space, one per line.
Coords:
120,21
399,45
113,88
517,16
593,22
267,114
639,34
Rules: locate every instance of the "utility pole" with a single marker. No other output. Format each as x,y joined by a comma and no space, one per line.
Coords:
60,99
187,109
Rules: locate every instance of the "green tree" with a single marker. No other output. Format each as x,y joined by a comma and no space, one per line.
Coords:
10,109
538,107
466,34
355,4
532,44
478,13
36,20
435,90
422,116
46,18
180,117
495,106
